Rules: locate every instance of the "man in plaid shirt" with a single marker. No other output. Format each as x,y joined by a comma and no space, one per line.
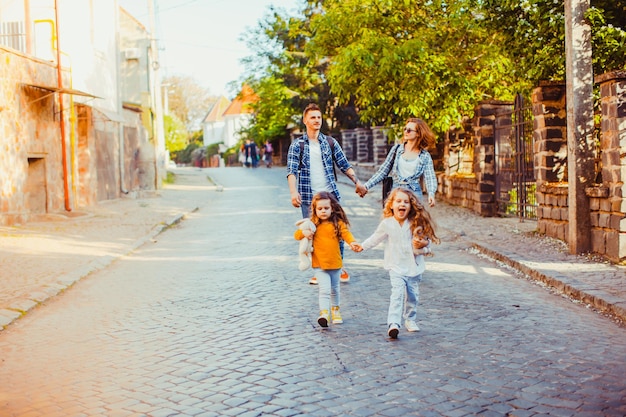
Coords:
310,165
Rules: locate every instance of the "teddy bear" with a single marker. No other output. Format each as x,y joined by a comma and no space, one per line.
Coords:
306,245
422,242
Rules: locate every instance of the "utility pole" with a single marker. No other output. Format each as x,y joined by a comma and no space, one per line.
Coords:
157,102
580,143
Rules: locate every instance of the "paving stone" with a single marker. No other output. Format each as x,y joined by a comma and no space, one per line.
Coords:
203,320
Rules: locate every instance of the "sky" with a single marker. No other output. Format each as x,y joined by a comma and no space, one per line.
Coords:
201,38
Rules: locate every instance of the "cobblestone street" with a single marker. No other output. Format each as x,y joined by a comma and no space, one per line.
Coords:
212,318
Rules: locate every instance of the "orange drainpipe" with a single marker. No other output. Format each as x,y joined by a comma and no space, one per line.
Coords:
66,185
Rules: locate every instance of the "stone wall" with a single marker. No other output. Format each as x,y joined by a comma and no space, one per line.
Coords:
608,204
606,197
468,178
31,179
99,165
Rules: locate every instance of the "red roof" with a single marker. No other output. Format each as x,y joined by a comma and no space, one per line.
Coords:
241,103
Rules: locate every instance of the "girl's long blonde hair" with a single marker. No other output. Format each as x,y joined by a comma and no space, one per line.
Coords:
418,215
336,215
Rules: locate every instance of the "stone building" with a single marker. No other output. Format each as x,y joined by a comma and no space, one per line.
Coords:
72,131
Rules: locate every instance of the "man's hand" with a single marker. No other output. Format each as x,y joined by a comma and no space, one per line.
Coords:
360,189
296,200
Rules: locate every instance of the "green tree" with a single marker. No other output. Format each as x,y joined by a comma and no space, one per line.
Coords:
176,135
187,100
398,59
273,113
534,34
281,63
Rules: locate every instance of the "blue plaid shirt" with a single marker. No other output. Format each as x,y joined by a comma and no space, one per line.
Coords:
425,167
303,175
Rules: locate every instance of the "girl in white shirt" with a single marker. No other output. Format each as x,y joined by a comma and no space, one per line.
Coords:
403,217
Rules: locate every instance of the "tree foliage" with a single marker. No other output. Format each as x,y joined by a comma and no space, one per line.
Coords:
279,42
534,35
377,62
176,135
188,100
431,59
273,114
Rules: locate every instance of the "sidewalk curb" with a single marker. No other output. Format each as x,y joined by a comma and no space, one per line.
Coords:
20,307
598,300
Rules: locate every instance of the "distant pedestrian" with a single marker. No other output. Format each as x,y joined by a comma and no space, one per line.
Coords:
268,152
403,218
252,154
331,225
408,162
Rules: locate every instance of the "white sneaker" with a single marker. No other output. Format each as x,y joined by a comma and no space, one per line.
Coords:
411,326
393,331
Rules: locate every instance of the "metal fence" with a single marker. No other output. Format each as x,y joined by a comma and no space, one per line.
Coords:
514,169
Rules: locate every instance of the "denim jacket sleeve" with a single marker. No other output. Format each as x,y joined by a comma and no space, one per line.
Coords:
385,168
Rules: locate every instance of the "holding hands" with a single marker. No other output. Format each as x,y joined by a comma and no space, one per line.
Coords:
356,247
360,189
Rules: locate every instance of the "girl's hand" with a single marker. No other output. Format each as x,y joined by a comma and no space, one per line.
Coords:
356,247
308,234
420,242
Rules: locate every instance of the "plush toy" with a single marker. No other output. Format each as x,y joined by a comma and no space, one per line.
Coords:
423,243
306,245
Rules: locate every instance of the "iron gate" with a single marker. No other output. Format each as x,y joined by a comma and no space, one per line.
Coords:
515,178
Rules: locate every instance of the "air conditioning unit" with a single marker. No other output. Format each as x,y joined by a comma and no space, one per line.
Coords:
131,53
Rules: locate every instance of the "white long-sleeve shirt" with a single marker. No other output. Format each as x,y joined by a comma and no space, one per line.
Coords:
399,256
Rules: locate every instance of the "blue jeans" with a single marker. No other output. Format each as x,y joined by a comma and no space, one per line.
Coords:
403,288
306,213
328,286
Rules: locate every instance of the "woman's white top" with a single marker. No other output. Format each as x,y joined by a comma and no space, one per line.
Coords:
406,168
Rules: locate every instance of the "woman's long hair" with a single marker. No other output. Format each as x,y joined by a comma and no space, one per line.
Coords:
418,215
336,215
425,136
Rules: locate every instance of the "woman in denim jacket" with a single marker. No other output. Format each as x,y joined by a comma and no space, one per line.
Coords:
408,162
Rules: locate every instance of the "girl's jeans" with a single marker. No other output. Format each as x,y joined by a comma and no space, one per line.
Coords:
328,286
403,287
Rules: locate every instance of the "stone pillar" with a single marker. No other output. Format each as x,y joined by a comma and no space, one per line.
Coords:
484,154
550,126
348,143
364,148
613,144
380,144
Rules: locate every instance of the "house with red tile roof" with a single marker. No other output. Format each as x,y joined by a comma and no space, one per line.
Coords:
225,126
